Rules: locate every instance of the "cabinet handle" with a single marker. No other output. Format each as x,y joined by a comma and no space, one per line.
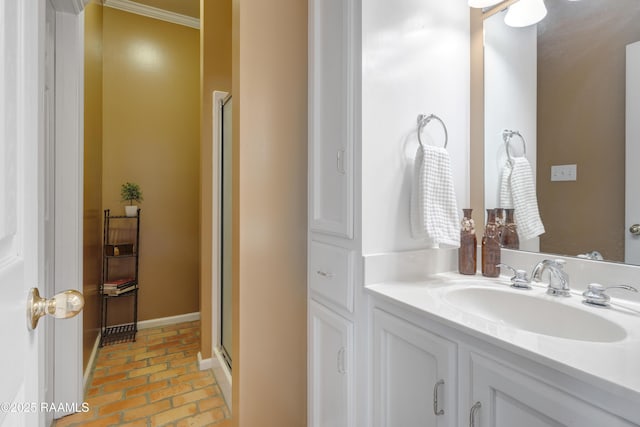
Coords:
341,369
340,161
435,398
324,274
472,414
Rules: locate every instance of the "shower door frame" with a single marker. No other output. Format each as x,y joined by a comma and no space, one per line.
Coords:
225,352
219,361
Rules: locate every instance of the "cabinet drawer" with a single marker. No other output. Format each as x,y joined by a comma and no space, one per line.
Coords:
331,273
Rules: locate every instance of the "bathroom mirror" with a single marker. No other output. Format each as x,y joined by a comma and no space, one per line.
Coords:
562,84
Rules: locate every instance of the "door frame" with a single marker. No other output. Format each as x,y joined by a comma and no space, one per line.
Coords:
68,223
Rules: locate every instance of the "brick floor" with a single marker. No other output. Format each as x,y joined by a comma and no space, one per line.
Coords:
152,382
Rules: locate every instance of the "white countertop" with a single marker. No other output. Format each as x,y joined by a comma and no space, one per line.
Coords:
612,366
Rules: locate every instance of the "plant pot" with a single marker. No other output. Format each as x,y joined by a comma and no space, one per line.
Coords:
131,210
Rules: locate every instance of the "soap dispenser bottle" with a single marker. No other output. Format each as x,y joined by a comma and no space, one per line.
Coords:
467,253
491,246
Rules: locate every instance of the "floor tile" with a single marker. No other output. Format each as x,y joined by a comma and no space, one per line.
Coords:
152,382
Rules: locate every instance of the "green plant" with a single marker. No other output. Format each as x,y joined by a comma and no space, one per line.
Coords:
130,192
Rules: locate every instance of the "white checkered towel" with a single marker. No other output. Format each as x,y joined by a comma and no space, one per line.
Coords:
434,211
518,191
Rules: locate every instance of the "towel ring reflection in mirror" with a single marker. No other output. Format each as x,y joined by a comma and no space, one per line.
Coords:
506,136
423,120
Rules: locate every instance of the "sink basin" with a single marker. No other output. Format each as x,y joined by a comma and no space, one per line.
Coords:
535,314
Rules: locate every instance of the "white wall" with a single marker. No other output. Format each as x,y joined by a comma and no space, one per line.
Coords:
510,81
415,59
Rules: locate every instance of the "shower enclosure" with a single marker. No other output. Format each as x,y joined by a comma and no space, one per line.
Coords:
225,232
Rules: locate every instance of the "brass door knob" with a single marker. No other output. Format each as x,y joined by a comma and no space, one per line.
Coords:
62,306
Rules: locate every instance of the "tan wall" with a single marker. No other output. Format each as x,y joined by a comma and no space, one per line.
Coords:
270,200
215,38
581,120
92,233
152,137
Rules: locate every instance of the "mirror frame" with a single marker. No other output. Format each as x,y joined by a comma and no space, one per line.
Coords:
476,125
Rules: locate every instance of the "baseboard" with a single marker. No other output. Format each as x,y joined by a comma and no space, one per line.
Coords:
90,364
164,321
223,365
223,376
204,364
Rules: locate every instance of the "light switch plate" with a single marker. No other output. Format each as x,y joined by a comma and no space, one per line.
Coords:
564,173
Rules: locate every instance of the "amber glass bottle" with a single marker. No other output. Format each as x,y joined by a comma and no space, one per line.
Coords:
500,221
467,253
509,237
490,246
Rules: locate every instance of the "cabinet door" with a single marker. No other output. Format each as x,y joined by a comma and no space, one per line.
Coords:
331,127
331,368
510,398
412,368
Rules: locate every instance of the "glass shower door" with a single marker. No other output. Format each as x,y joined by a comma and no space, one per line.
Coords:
226,302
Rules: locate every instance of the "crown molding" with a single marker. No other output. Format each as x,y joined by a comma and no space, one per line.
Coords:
70,6
153,12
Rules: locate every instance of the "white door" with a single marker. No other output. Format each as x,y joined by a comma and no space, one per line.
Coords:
503,397
331,125
21,218
331,402
632,189
414,381
26,121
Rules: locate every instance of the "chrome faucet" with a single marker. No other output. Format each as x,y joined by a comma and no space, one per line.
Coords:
558,278
596,296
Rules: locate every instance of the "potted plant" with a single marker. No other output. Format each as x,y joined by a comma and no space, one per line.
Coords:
131,192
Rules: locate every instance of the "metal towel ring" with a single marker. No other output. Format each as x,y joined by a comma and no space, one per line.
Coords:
423,120
507,135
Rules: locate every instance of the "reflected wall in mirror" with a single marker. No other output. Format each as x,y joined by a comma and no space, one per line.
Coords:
562,84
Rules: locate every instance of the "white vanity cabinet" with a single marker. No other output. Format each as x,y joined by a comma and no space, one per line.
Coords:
331,367
331,124
333,242
484,385
509,397
414,375
373,68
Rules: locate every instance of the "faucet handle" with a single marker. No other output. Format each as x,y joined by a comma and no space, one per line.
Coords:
519,279
596,294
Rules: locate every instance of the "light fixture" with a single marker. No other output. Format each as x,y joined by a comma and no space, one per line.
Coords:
483,3
525,13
